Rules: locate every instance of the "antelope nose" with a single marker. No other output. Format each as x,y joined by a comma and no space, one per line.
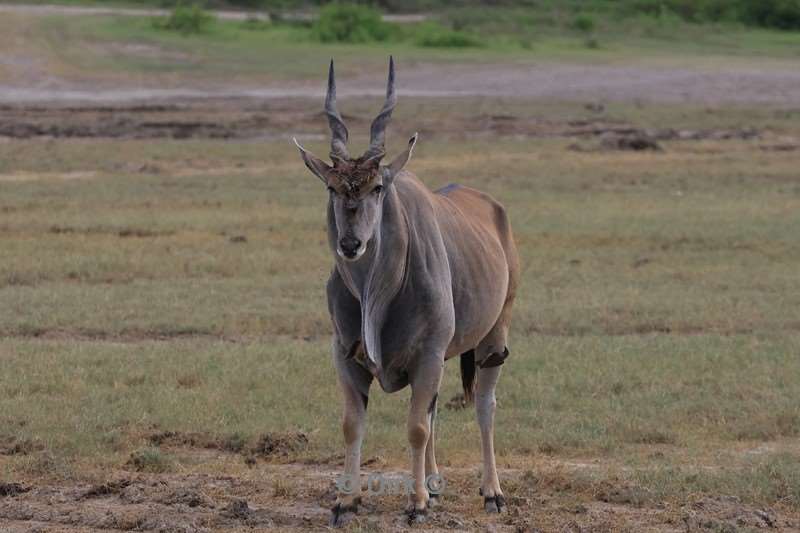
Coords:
349,246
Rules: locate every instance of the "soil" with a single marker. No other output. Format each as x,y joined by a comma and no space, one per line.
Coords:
259,119
83,11
231,485
297,497
538,81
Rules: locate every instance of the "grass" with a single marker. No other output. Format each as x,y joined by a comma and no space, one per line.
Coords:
159,285
129,47
656,310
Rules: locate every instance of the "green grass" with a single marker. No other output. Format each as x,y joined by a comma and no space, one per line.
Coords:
656,329
657,306
128,46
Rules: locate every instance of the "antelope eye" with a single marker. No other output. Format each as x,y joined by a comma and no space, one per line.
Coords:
378,189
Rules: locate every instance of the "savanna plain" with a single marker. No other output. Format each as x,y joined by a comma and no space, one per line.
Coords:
164,336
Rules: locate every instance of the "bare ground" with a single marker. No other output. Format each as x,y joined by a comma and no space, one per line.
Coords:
544,81
233,118
83,11
549,496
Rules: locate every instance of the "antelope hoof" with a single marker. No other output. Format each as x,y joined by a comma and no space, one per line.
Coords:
342,514
494,504
434,501
416,516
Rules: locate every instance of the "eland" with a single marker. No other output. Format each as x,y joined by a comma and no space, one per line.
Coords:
419,277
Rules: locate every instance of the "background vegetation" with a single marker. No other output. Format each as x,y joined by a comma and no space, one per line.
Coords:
780,14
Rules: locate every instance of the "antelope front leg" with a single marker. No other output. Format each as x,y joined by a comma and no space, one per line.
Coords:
485,404
354,417
424,392
431,469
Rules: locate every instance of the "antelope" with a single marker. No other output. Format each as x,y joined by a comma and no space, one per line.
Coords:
419,277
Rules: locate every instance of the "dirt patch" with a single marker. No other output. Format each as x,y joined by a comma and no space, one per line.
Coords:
254,119
190,439
636,139
16,446
12,489
784,147
636,142
189,497
456,403
267,445
727,513
552,497
623,495
280,444
773,82
125,336
140,233
210,120
106,489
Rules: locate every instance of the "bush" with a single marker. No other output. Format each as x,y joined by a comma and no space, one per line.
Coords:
583,23
350,23
433,34
781,14
186,19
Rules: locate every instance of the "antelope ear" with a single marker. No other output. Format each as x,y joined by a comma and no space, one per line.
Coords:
399,162
316,165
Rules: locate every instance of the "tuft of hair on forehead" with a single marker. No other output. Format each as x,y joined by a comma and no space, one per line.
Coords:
353,175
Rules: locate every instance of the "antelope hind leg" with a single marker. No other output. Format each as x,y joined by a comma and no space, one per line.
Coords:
485,405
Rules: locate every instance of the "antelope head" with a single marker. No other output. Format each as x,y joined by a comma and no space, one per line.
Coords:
357,186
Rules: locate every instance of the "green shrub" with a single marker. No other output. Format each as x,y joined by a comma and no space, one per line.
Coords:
432,34
350,23
583,23
781,14
186,19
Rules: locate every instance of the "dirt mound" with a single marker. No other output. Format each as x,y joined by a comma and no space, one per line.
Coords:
237,509
727,513
280,444
187,496
106,489
272,444
456,403
12,489
179,438
16,446
637,142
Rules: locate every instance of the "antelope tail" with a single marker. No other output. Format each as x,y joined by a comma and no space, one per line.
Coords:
468,375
